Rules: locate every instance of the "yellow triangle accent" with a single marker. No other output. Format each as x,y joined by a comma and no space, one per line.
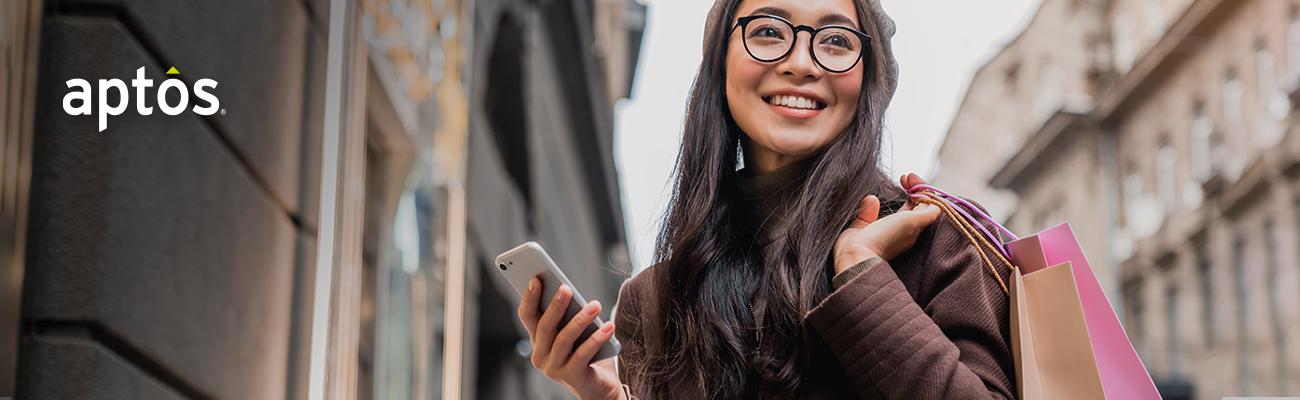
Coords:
173,71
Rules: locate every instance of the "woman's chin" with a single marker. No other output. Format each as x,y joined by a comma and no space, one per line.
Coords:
797,147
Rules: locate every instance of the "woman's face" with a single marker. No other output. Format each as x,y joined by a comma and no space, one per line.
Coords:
790,108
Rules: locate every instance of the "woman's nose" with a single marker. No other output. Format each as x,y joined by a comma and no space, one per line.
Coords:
800,63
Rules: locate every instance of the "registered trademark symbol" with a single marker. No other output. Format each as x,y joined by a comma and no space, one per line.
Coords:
223,111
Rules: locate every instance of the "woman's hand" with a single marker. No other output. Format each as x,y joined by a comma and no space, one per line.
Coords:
555,352
870,236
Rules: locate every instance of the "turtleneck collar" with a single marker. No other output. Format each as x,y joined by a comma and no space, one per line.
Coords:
771,197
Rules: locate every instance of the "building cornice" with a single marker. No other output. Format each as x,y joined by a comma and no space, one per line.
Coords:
1041,147
1237,198
1184,38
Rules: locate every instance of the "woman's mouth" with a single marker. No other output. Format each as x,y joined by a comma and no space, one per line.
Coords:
794,106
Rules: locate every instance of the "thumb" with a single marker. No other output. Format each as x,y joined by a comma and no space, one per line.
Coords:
868,212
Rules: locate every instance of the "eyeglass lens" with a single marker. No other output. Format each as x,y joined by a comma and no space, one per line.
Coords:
835,48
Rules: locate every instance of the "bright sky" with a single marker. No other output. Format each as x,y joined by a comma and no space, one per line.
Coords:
939,45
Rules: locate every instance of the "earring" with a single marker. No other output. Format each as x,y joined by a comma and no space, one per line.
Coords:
740,155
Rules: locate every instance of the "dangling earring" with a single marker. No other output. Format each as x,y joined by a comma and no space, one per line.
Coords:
740,155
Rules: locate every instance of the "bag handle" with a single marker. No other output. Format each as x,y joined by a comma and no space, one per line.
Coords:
967,228
983,217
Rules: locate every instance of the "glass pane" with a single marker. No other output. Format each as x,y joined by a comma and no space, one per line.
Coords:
409,324
768,38
837,49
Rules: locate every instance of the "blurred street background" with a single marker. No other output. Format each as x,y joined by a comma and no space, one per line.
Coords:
331,232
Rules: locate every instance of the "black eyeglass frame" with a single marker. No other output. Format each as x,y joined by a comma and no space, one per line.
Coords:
743,24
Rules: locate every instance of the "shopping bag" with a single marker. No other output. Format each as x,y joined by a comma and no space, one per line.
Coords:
1050,338
1066,340
1050,261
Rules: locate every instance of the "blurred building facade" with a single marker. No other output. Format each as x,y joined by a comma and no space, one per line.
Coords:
1163,131
331,230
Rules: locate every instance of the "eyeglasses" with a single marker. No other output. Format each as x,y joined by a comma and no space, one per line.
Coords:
769,38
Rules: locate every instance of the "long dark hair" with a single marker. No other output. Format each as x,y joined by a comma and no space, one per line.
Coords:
710,283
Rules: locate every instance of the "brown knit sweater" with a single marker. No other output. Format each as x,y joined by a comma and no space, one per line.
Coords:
930,324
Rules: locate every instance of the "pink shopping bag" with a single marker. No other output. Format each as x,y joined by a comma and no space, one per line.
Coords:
1122,374
1067,341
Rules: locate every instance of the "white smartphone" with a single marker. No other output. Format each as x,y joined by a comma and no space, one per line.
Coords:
522,263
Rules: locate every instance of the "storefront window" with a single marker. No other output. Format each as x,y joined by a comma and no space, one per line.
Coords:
409,324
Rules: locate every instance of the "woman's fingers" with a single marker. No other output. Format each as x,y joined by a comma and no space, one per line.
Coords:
582,355
896,233
868,212
917,217
911,179
546,326
908,181
926,214
528,310
564,341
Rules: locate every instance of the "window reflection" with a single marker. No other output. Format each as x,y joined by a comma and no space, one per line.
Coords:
409,325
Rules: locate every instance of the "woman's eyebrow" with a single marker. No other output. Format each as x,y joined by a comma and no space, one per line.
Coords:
827,19
836,19
772,11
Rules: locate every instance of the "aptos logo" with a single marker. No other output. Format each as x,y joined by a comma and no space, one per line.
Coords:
81,92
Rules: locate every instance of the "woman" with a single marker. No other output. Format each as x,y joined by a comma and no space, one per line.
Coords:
783,279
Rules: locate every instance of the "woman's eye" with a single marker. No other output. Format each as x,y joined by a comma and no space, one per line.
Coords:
767,32
838,41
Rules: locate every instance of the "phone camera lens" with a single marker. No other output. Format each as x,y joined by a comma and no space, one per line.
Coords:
502,266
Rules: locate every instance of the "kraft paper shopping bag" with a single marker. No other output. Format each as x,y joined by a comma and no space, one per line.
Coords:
1066,339
1117,365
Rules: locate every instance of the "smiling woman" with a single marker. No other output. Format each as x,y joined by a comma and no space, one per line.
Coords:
783,96
805,273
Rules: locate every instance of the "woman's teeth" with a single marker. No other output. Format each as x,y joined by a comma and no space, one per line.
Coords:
802,103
